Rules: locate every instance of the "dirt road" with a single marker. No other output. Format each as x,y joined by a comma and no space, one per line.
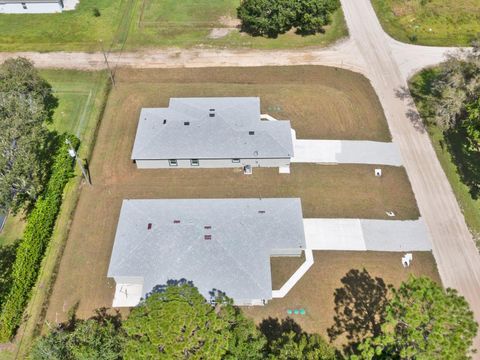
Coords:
453,247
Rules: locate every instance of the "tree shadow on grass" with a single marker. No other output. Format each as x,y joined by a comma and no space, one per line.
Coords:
359,308
273,328
8,254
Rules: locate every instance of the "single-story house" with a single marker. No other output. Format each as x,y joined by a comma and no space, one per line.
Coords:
222,244
211,133
30,6
35,6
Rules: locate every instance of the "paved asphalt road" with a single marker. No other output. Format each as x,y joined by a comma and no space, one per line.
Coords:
387,63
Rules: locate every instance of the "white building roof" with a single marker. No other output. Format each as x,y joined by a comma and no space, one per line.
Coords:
222,244
210,128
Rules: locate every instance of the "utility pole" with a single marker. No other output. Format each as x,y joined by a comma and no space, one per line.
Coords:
110,72
73,154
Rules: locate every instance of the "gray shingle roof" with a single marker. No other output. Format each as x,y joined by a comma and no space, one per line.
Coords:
244,233
162,133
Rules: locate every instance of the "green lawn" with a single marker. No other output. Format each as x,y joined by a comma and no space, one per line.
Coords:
430,22
470,206
70,30
13,229
189,23
136,24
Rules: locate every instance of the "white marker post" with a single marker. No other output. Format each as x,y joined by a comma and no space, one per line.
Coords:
73,154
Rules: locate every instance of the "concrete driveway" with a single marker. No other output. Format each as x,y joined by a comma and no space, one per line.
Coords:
362,234
346,152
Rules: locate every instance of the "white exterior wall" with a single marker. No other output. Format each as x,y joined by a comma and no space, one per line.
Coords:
213,163
32,8
286,252
250,302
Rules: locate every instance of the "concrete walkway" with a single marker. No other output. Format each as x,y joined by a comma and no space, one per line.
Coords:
361,235
297,275
346,152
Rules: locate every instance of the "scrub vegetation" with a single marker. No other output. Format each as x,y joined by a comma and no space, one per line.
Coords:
430,22
448,100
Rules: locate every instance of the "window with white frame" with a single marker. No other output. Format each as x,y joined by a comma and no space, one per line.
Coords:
194,162
173,162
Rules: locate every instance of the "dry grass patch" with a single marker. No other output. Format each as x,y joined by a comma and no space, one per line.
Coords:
283,268
322,102
315,291
326,191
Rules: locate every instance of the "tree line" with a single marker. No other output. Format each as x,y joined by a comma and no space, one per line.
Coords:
420,320
34,168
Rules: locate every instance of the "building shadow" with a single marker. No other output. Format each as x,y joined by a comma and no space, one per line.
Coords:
359,309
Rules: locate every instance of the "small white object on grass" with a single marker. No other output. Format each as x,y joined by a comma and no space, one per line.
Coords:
378,172
390,213
407,259
284,169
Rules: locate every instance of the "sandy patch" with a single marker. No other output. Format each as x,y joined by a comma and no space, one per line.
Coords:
218,33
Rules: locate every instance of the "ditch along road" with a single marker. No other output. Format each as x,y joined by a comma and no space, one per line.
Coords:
387,63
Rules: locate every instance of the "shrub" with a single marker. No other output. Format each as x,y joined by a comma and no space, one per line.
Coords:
37,234
266,17
96,12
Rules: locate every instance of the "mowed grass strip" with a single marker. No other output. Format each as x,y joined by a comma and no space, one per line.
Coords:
326,191
430,22
315,291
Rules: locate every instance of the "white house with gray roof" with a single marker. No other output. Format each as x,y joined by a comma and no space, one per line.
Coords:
211,133
32,6
222,244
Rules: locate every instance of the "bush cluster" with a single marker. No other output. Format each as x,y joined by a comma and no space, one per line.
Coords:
37,234
273,17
